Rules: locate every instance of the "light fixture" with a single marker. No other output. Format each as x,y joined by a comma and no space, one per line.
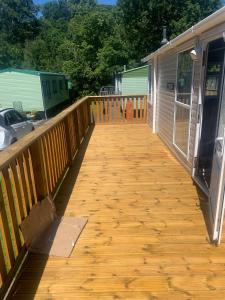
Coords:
195,53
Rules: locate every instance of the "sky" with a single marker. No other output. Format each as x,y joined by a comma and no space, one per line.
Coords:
99,1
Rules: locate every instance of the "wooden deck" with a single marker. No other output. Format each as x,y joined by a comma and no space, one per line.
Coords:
146,237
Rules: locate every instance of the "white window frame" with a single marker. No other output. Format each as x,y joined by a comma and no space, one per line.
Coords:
150,84
187,106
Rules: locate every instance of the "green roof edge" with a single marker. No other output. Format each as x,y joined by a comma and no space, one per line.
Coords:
130,70
31,72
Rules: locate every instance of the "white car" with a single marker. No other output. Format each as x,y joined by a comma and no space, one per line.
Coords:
13,126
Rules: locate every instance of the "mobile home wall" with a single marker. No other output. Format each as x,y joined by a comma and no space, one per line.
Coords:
166,94
135,81
20,87
165,100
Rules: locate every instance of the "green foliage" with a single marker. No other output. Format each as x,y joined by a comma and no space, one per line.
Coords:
57,10
143,20
87,41
10,54
18,20
96,52
42,53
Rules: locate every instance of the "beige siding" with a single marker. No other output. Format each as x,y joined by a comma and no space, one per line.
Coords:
165,99
167,66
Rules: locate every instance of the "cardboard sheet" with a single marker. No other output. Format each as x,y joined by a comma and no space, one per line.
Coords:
46,233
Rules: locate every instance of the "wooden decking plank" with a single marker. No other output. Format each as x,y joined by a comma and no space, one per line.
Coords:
146,237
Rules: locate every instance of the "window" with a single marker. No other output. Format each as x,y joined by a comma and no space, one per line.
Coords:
66,84
44,88
213,79
54,86
183,101
60,85
48,89
13,117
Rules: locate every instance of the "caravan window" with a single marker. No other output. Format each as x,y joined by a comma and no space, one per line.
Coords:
48,89
183,101
54,86
60,85
44,88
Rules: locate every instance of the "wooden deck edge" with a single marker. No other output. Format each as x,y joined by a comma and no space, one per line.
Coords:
8,287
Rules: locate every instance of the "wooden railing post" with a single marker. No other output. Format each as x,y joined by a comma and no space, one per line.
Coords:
89,112
39,169
81,122
145,109
68,141
78,138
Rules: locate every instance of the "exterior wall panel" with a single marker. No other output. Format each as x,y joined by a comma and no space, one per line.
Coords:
20,87
135,82
165,98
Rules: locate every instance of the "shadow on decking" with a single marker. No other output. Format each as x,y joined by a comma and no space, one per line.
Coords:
34,264
68,184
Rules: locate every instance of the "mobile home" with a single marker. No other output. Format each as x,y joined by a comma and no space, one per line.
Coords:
33,91
133,81
187,106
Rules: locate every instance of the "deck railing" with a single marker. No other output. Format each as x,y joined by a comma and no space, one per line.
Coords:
34,167
119,109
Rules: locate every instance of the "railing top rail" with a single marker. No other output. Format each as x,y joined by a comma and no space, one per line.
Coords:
114,96
14,150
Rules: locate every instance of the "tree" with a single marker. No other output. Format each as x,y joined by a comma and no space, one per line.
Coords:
56,10
10,55
93,51
66,9
42,53
143,20
18,20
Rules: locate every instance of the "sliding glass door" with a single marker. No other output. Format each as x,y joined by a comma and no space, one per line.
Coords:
183,101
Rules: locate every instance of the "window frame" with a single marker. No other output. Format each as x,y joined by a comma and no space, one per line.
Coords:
66,84
60,83
54,87
44,88
15,113
183,105
48,89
